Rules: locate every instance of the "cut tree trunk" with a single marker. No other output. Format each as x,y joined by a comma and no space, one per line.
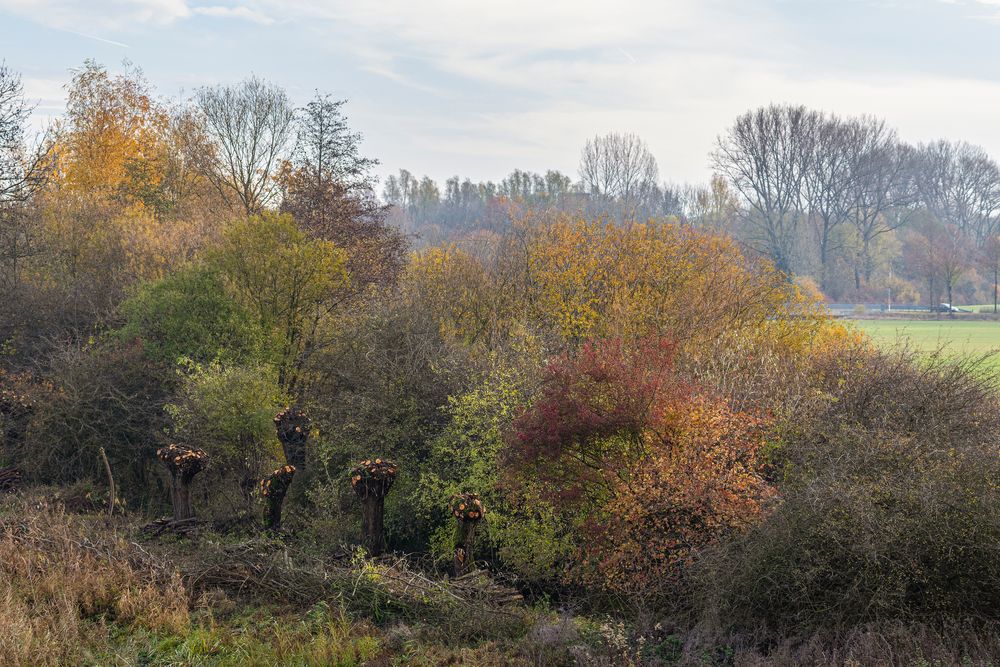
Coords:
372,524
371,480
273,488
184,463
468,510
293,426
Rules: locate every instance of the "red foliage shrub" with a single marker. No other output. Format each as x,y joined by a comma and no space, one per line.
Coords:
649,467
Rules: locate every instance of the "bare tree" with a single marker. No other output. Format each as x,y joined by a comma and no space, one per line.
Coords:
21,164
251,124
881,187
766,155
960,184
620,168
713,206
828,185
22,173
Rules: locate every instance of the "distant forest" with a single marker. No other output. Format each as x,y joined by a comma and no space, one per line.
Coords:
842,203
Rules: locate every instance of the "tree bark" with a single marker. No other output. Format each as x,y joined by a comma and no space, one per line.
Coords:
182,498
274,487
465,537
468,511
372,480
184,463
372,525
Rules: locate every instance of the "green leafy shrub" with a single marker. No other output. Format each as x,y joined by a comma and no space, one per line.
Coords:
520,529
191,314
228,411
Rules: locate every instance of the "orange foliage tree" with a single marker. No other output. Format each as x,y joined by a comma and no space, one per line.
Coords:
649,467
568,281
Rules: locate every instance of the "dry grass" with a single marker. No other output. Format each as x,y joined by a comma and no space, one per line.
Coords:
61,585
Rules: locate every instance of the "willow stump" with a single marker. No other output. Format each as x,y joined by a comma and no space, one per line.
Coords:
468,510
273,489
293,426
184,463
371,480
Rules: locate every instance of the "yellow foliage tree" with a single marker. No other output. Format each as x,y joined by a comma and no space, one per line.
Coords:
111,143
290,282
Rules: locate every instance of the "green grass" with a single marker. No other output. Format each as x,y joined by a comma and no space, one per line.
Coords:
979,308
955,336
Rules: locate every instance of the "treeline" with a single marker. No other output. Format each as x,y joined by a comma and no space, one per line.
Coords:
619,180
842,201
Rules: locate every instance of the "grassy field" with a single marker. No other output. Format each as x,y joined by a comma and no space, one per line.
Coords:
956,336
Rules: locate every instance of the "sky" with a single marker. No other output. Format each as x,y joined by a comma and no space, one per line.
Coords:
460,87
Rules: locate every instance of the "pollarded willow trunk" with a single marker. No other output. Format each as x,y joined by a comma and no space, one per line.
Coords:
273,489
468,510
371,480
184,463
293,426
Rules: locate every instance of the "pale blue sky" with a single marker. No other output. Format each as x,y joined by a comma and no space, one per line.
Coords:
449,87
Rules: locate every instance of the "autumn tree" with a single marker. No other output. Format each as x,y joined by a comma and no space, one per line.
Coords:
110,144
592,279
329,189
289,283
652,468
251,124
940,253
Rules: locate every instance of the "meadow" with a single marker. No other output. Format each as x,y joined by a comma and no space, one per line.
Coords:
966,337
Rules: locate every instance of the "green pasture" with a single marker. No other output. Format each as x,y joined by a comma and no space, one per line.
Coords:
964,337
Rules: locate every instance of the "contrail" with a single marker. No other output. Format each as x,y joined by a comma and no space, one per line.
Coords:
628,55
99,39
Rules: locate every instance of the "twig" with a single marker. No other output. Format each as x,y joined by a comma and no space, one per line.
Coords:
111,483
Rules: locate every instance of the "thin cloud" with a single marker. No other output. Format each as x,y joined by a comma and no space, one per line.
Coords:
98,15
243,13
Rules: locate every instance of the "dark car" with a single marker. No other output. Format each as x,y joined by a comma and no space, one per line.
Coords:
948,308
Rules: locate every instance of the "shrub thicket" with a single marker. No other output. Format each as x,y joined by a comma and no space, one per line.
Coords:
890,502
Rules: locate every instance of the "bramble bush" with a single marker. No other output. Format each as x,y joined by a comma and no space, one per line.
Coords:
889,475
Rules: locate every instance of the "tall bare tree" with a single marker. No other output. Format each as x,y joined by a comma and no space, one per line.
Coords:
619,167
960,184
766,155
251,123
881,187
20,172
827,186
